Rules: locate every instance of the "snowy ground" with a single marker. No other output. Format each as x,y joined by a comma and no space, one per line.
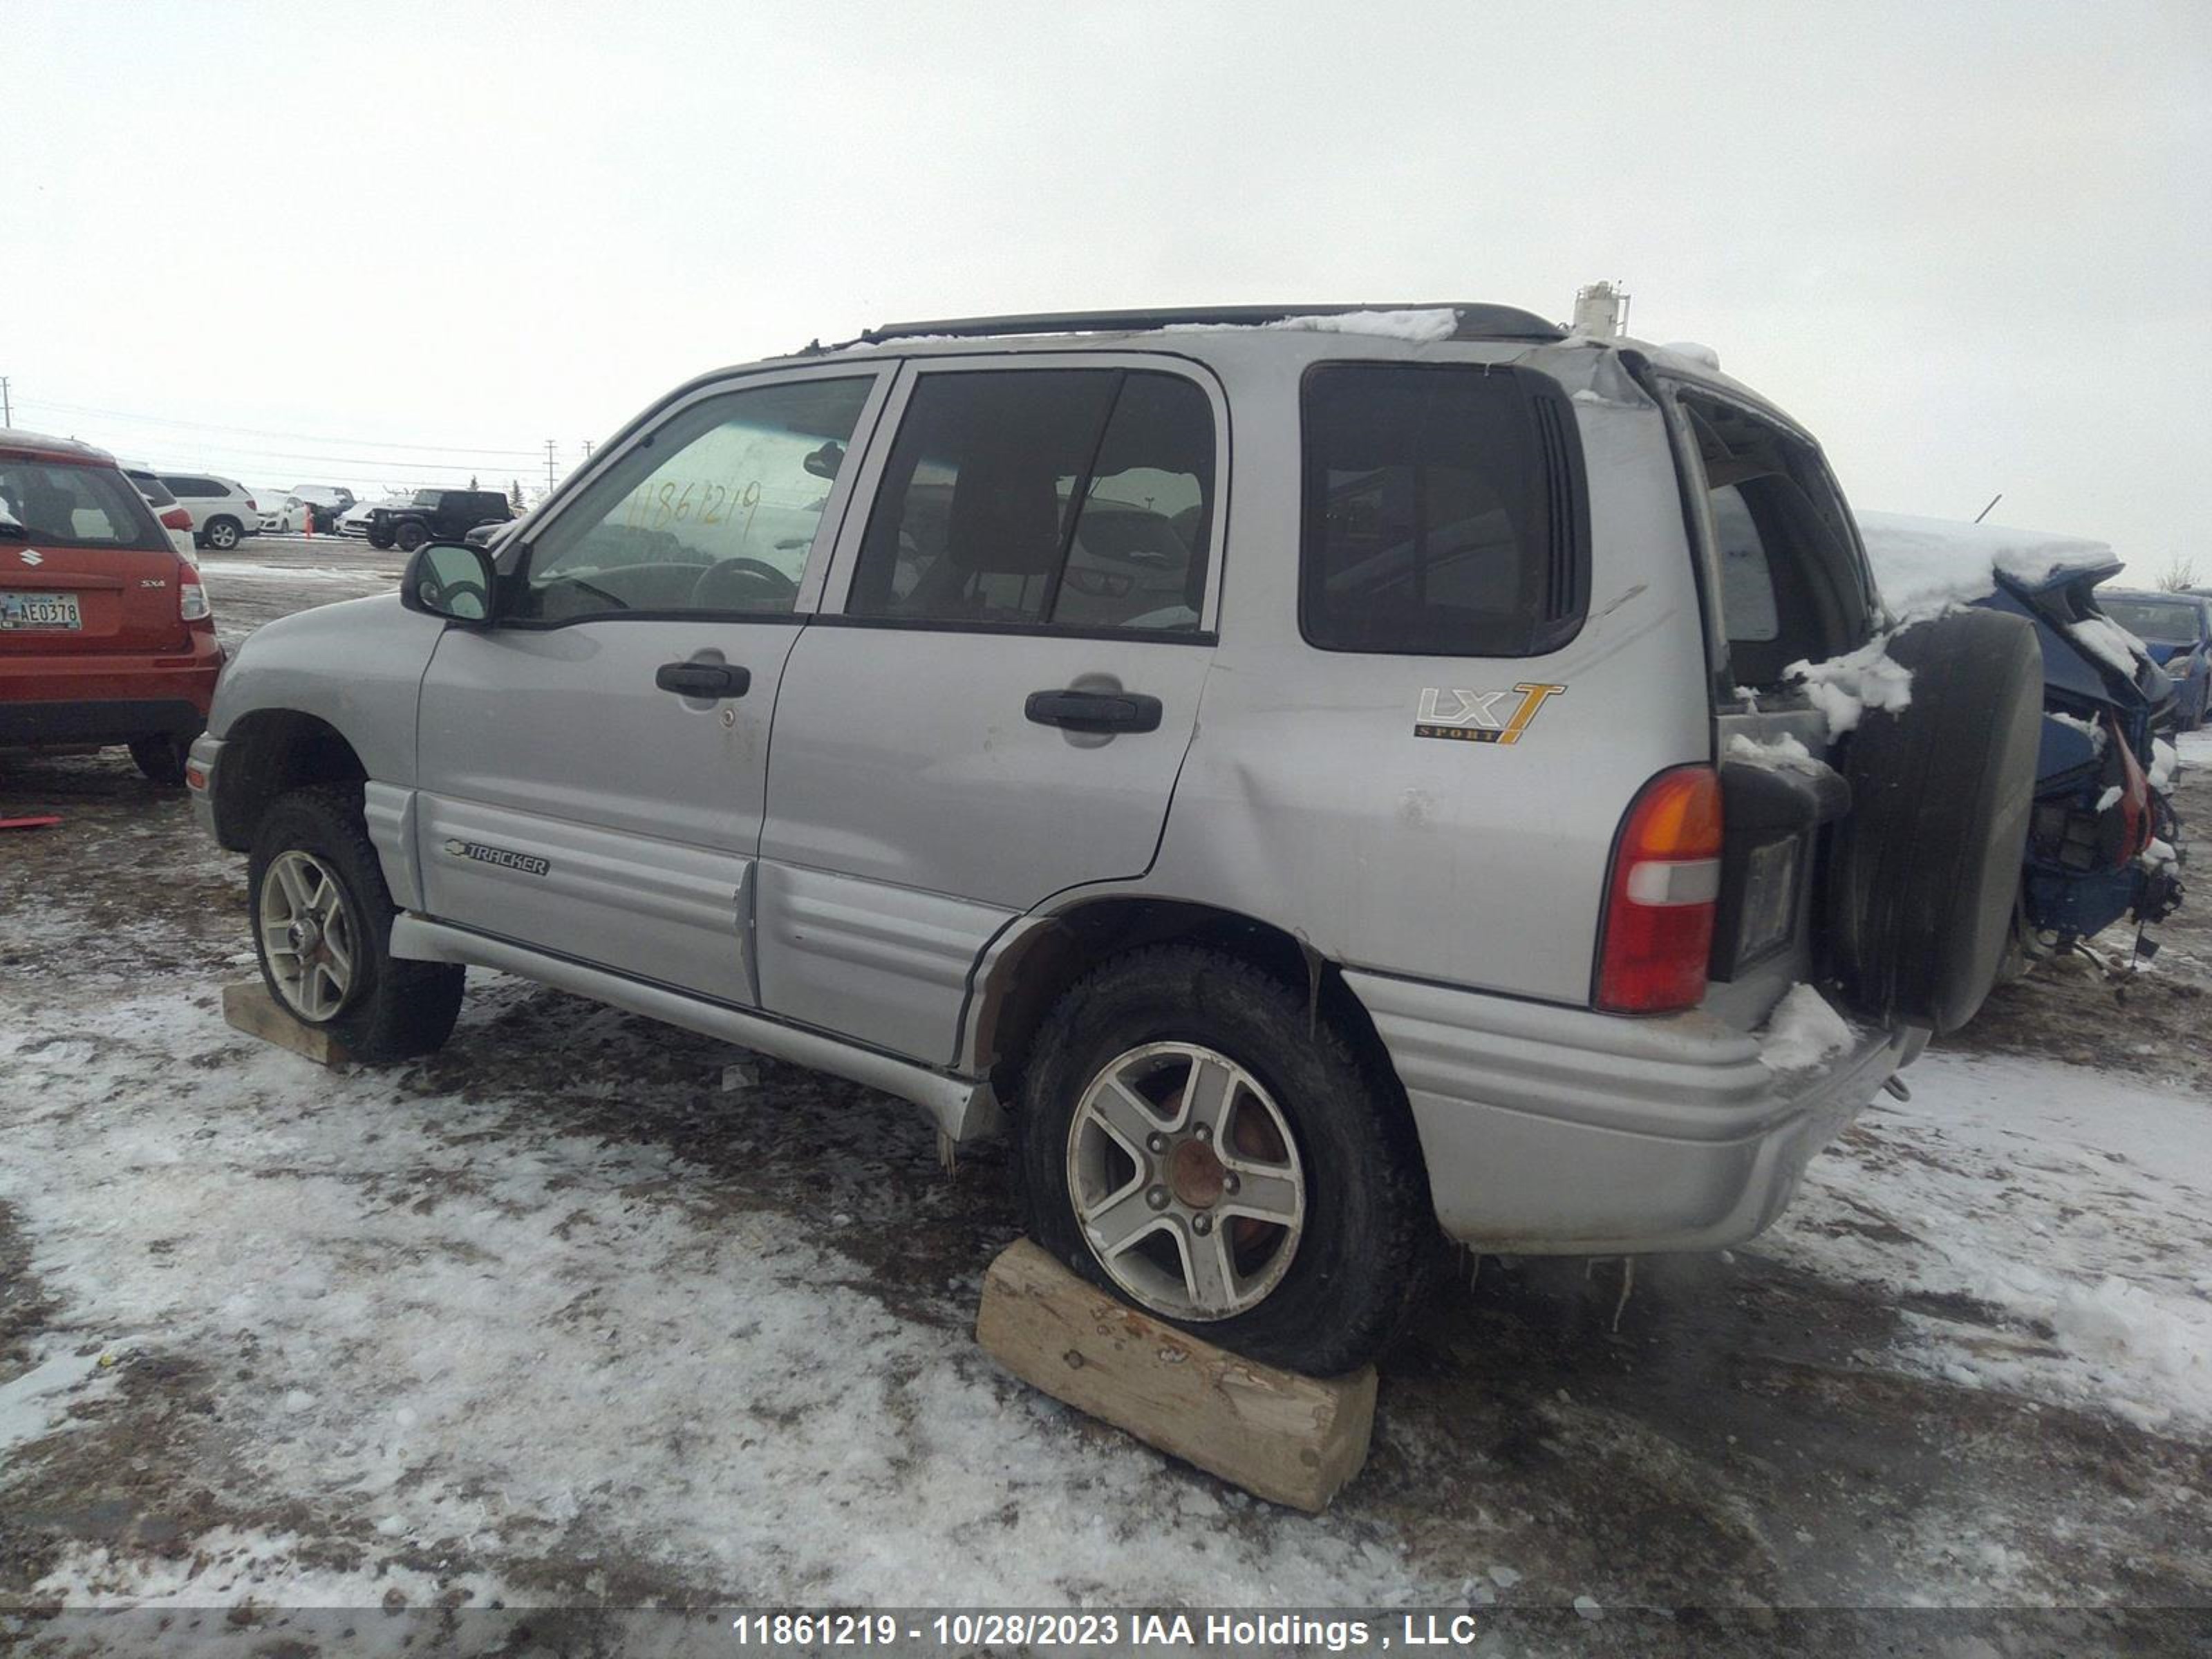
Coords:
568,1315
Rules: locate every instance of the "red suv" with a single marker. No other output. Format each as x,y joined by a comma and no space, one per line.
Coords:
106,634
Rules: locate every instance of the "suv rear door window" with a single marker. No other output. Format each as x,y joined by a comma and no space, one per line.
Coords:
1444,512
1061,498
186,485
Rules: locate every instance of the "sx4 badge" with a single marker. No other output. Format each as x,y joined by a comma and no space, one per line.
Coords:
1481,716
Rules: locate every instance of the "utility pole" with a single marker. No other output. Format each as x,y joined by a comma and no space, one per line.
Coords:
7,409
549,466
587,449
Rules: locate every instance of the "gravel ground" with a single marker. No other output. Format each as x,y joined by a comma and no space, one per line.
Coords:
573,1315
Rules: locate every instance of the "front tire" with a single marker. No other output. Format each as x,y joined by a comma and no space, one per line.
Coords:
161,755
380,539
411,535
224,534
322,929
1192,1138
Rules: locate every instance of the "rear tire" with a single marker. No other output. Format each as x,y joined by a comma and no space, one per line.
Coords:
1357,1253
381,1007
161,755
224,534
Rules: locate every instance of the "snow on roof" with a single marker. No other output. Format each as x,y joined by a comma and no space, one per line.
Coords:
1434,323
1924,566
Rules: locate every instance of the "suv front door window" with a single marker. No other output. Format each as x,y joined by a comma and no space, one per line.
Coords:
716,515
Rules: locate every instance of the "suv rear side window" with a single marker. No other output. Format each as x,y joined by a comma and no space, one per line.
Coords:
188,486
1444,512
1068,498
77,507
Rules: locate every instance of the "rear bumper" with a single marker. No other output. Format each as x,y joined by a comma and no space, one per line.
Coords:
106,699
1557,1131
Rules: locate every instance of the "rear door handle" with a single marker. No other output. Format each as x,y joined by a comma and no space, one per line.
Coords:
1095,711
703,679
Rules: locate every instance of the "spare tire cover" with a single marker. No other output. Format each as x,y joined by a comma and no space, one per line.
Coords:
1924,869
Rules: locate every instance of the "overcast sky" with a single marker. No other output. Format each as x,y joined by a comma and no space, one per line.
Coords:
1969,244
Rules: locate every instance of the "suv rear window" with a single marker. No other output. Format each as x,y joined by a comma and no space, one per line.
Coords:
1445,512
61,505
152,489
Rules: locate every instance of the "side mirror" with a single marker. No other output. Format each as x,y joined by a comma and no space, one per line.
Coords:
444,578
824,463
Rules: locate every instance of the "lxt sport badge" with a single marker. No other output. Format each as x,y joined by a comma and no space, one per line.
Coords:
528,864
1481,716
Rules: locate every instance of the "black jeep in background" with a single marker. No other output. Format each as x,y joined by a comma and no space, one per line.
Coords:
436,515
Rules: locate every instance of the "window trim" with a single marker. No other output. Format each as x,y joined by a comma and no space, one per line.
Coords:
515,557
845,559
1557,632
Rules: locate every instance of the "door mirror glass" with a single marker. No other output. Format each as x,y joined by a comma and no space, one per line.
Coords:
444,578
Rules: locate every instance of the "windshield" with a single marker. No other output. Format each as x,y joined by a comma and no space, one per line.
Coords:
425,498
2159,622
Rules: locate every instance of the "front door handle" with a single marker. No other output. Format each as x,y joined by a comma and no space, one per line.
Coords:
1094,711
703,679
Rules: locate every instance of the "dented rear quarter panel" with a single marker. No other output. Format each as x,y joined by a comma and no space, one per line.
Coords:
1307,800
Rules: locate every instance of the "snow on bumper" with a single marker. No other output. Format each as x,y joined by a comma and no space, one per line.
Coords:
1557,1131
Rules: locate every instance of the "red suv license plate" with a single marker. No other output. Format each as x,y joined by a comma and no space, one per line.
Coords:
39,611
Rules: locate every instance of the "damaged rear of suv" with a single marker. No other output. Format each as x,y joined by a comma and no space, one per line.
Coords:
1319,776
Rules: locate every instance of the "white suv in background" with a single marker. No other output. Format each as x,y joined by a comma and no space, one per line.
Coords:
223,513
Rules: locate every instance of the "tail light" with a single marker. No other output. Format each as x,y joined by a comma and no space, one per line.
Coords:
1657,935
176,518
251,507
2135,825
191,596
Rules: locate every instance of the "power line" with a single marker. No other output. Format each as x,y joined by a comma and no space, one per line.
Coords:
265,432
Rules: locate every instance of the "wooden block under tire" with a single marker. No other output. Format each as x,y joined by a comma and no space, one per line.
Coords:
1288,1438
250,1008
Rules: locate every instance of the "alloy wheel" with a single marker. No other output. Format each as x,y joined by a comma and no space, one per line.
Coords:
307,936
1186,1181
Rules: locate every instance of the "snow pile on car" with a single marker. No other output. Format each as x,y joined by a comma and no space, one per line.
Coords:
1434,323
1802,1031
1925,567
1844,687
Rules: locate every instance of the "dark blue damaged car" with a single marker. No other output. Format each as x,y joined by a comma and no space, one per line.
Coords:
2103,843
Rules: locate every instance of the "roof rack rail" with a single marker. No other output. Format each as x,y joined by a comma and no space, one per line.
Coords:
1476,322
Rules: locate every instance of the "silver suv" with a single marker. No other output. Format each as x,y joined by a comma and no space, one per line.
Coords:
1326,777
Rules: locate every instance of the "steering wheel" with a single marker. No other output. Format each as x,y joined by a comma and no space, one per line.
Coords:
715,576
